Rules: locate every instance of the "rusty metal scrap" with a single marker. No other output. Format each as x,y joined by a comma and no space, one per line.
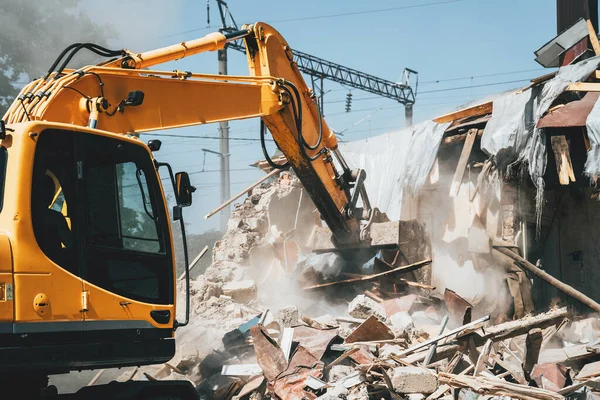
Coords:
292,386
572,114
269,355
370,330
315,341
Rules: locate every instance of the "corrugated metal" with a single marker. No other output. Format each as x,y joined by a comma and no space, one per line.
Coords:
569,11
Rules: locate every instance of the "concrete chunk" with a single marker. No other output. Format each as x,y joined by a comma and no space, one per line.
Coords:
402,324
240,291
414,380
288,316
364,307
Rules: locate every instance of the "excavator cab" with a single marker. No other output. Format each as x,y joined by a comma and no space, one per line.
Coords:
90,282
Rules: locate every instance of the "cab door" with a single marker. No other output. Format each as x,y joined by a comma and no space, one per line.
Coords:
128,272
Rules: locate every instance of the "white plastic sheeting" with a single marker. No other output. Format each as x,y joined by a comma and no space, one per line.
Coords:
511,134
505,134
535,152
402,160
394,162
592,164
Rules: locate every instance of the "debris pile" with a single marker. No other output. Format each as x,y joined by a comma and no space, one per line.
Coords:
379,331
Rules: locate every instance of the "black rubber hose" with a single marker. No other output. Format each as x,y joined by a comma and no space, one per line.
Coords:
101,51
264,149
61,55
297,107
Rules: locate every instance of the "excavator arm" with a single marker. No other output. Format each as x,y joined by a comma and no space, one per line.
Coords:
123,96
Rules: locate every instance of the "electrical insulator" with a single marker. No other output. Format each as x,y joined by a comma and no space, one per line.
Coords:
348,101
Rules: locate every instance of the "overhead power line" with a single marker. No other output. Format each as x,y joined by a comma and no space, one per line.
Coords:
368,11
206,137
380,10
476,86
482,76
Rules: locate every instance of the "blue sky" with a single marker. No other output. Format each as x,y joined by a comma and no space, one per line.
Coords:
463,50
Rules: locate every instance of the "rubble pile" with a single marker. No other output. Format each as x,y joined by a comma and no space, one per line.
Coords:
260,329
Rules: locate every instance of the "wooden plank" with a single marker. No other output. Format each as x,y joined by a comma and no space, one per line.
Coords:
484,385
537,81
194,262
462,162
590,370
593,37
584,87
563,287
521,326
533,344
562,155
243,192
460,138
474,111
370,277
483,357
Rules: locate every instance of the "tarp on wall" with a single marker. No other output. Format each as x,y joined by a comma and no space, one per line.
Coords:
394,162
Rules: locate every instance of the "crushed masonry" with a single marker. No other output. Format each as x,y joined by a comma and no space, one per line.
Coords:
455,320
411,344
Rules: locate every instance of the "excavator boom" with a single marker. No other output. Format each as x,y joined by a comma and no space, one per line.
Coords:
97,96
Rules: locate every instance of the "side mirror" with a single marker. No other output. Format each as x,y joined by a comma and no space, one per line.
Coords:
183,189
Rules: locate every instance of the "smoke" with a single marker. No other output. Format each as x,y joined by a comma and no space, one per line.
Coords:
454,223
139,25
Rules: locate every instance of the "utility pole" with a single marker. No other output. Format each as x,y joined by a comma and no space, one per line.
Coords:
224,126
224,150
408,115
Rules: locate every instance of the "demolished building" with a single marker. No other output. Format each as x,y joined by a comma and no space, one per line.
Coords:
500,306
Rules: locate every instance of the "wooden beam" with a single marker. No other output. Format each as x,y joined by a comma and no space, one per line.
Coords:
403,268
543,275
584,87
474,111
243,192
462,162
460,138
533,345
485,385
564,167
596,74
483,357
537,81
593,37
510,329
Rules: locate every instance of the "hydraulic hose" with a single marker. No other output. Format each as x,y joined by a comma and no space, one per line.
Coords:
74,48
264,149
297,108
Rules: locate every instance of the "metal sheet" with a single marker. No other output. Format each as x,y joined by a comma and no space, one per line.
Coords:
457,306
370,330
269,355
314,340
291,387
572,114
548,55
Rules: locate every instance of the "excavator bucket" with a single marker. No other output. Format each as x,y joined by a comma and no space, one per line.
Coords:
410,238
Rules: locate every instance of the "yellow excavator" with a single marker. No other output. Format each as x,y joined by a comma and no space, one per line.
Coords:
87,267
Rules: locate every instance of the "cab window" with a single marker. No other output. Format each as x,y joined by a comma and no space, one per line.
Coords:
127,236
